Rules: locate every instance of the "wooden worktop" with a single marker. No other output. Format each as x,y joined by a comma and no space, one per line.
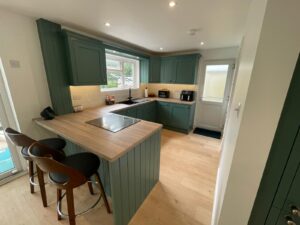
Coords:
106,144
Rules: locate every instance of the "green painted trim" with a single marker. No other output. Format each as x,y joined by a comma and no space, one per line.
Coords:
280,151
54,55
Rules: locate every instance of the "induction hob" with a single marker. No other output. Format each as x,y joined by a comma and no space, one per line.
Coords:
113,122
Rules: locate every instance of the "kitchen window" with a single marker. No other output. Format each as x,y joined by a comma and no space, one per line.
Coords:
122,71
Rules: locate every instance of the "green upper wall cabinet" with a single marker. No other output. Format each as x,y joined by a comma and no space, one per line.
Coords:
181,69
168,70
86,60
187,69
154,69
150,70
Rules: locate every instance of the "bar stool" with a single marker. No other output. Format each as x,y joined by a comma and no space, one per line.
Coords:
71,172
23,141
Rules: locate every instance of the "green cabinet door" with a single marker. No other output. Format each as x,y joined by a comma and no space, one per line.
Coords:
164,113
154,69
132,112
168,70
187,69
180,116
147,111
144,67
86,60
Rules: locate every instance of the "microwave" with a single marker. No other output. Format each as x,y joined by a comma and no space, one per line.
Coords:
163,93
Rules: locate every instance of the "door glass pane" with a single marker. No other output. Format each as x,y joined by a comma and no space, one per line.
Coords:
6,161
215,82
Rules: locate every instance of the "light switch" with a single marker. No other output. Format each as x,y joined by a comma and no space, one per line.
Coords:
14,63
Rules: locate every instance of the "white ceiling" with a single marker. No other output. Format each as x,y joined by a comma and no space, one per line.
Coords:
150,24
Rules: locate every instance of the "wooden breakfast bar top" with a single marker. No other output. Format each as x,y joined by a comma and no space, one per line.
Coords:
106,144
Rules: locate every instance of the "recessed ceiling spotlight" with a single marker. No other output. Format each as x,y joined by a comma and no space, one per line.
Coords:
201,43
172,4
161,48
107,24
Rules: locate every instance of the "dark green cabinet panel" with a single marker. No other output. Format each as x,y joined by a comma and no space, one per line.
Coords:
180,116
165,113
180,69
150,70
53,49
175,116
86,57
147,111
168,70
144,67
187,69
154,69
132,112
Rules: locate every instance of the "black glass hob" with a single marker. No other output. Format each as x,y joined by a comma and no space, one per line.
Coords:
113,122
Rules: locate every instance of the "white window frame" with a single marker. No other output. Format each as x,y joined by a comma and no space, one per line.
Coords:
136,72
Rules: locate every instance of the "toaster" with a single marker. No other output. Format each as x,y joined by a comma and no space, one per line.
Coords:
163,93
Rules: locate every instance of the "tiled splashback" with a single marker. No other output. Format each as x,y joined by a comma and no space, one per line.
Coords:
91,96
175,89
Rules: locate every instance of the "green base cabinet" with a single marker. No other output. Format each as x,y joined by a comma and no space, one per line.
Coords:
174,116
132,178
129,179
86,60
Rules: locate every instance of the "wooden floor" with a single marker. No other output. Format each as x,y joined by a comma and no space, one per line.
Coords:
184,195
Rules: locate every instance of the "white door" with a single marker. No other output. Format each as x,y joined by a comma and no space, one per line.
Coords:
213,94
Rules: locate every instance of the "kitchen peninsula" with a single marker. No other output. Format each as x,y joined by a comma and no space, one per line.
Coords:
129,158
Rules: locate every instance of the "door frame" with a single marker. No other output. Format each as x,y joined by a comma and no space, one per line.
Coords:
283,142
227,92
8,118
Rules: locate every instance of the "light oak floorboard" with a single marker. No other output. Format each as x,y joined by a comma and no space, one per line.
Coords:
183,196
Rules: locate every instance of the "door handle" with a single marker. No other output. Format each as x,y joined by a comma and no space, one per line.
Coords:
295,210
289,221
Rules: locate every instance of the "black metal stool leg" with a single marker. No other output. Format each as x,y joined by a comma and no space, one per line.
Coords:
31,176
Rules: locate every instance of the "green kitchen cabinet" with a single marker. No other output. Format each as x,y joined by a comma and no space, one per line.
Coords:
180,116
147,111
132,112
154,69
144,68
86,60
176,116
181,69
187,69
168,70
150,70
164,113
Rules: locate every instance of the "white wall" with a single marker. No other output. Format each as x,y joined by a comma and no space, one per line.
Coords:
244,70
277,52
28,85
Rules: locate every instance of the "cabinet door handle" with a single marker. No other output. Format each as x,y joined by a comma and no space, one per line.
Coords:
295,211
289,221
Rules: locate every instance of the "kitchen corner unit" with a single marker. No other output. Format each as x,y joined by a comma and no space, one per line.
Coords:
130,158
